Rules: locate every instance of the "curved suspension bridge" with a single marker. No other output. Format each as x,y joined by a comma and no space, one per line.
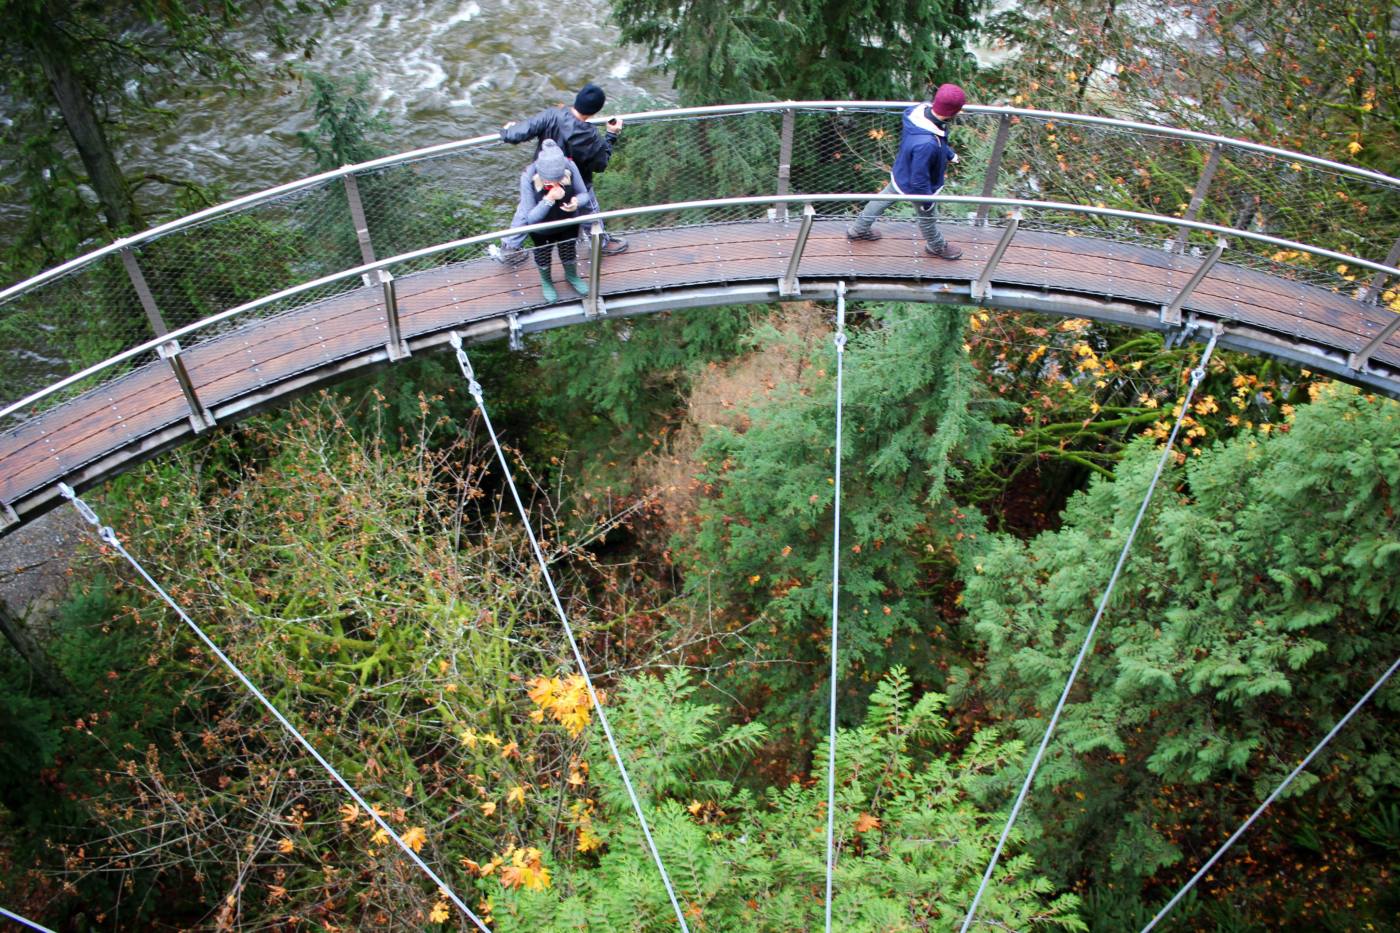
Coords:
1206,240
1206,235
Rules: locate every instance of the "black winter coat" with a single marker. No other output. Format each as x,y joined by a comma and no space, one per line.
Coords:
580,140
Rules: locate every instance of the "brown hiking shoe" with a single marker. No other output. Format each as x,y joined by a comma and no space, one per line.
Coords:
949,251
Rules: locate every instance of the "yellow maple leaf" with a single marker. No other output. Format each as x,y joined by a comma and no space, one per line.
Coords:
489,808
526,870
588,840
380,837
516,795
414,838
349,813
286,846
439,913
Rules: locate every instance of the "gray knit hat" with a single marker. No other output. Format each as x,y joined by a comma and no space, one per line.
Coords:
551,164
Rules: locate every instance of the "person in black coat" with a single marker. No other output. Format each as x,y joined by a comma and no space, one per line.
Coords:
580,141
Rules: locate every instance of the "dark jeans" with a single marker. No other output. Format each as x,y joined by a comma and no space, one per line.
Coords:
563,237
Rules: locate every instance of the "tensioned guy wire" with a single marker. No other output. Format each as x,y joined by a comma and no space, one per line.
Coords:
24,921
840,341
474,388
1270,799
1197,375
109,537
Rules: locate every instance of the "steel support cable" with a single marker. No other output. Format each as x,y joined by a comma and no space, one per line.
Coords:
109,537
474,388
1270,799
1197,375
840,341
24,921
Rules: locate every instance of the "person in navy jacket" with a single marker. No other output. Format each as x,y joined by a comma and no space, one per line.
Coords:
919,168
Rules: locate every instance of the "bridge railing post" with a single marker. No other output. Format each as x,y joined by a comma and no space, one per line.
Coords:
593,302
357,218
1171,312
787,285
201,419
396,346
784,163
1372,292
143,293
989,184
1198,196
982,288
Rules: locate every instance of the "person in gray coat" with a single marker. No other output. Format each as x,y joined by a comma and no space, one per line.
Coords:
552,188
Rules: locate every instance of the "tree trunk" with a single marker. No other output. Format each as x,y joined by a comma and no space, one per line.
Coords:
17,634
80,117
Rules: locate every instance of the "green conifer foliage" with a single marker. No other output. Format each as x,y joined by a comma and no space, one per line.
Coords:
763,545
911,843
819,49
1259,603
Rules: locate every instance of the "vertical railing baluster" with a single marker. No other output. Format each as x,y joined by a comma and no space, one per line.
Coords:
361,226
989,184
201,418
143,293
1372,292
396,346
1198,196
593,303
784,163
1171,313
787,285
982,288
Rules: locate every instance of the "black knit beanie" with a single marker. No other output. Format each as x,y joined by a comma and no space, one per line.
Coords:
590,100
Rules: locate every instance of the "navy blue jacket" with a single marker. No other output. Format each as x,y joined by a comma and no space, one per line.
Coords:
924,153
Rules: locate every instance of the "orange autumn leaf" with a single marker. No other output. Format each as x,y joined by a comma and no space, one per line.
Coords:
525,870
286,847
865,822
414,838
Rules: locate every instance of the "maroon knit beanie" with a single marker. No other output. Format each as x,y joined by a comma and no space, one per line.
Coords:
948,100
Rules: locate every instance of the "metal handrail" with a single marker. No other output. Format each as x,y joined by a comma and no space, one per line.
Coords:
647,116
752,200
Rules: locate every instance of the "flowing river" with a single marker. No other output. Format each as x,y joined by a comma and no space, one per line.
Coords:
438,70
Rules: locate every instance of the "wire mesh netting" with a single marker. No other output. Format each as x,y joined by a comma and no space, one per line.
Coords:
230,259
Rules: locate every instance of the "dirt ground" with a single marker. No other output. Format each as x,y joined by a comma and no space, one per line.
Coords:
34,561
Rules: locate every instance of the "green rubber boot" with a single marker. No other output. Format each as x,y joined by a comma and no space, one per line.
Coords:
547,286
571,276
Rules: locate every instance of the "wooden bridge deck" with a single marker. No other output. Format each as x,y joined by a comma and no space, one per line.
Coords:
103,432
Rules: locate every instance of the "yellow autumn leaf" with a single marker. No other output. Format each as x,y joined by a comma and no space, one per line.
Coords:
414,838
489,808
349,813
588,840
380,837
439,913
286,847
515,796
